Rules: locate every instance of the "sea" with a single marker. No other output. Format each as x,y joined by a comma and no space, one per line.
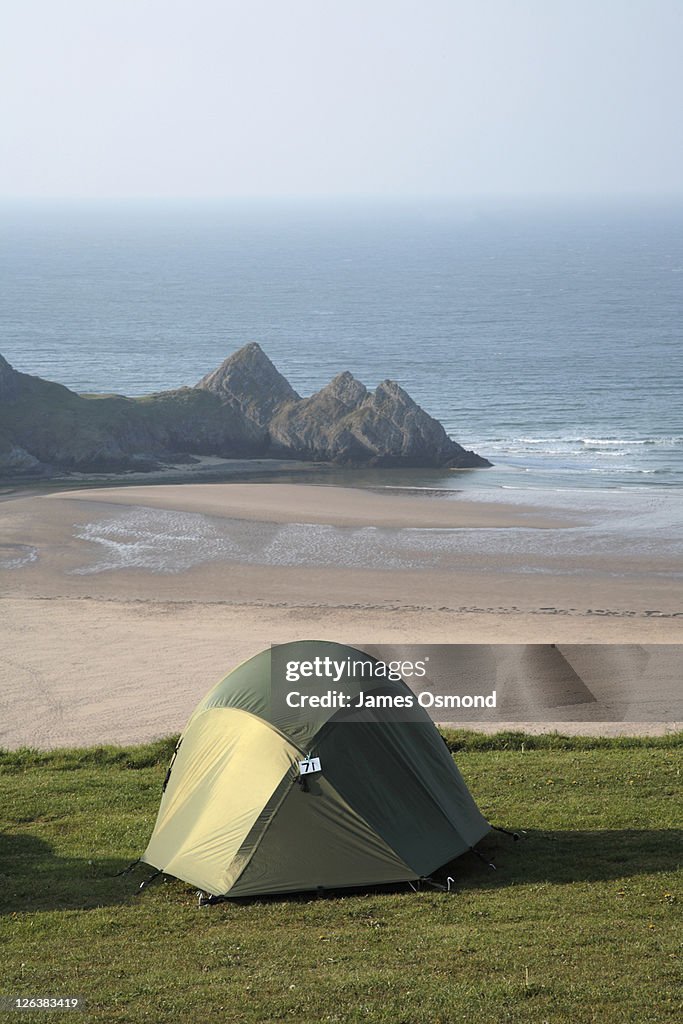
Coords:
545,335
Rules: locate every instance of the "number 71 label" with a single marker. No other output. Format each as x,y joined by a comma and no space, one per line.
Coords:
309,765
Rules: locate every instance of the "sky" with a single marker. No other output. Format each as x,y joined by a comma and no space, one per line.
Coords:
297,98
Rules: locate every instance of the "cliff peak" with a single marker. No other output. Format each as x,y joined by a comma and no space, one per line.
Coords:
346,388
250,381
393,390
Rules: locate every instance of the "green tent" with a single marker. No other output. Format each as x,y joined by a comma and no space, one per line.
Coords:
265,797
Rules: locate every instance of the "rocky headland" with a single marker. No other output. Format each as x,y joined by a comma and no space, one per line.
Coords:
243,409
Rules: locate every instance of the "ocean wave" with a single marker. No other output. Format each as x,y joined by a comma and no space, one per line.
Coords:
510,443
668,442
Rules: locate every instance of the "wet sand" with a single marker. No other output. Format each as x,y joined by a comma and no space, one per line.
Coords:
334,506
121,606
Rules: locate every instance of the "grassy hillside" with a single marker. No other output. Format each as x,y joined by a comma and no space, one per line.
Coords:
112,432
579,923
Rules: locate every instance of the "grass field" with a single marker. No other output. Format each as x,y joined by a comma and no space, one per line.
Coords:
581,921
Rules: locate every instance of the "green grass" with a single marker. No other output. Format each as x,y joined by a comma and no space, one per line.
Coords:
579,923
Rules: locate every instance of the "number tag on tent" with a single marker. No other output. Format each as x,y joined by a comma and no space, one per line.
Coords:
311,764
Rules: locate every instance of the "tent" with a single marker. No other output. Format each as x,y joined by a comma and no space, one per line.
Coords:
265,795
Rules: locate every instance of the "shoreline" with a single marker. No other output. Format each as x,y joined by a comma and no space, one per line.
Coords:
205,469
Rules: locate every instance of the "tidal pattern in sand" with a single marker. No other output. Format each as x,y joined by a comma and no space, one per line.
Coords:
165,541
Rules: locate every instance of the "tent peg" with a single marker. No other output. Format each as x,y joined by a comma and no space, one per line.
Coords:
143,885
481,857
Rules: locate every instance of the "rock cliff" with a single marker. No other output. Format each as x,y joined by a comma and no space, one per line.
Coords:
248,381
245,408
344,422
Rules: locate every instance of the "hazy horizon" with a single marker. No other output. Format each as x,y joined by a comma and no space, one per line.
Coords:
469,205
167,99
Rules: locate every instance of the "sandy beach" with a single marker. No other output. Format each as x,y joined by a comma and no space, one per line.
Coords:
121,606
